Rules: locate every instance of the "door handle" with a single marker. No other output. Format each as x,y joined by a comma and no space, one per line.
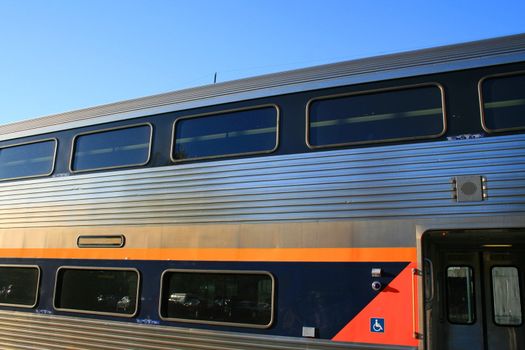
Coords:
429,281
415,273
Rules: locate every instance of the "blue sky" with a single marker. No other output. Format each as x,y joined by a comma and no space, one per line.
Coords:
62,55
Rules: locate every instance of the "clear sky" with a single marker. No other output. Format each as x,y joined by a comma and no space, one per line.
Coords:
63,55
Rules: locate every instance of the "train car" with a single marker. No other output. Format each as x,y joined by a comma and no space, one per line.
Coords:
371,204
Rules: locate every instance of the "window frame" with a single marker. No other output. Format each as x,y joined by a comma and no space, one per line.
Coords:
481,101
373,91
219,323
98,131
37,286
53,164
221,112
98,268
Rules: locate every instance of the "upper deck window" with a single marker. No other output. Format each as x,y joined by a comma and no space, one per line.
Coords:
27,160
377,116
229,133
112,148
503,102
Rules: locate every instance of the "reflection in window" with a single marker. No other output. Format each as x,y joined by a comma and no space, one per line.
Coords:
241,298
504,102
237,132
97,291
507,299
112,148
460,295
19,285
31,159
379,116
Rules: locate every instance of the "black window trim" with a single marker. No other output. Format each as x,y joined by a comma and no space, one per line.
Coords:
28,143
372,91
221,112
482,102
97,131
98,268
218,323
37,290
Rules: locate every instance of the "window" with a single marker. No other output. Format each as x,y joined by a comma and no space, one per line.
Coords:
112,148
221,297
506,292
409,113
230,133
19,285
27,160
503,102
100,291
460,295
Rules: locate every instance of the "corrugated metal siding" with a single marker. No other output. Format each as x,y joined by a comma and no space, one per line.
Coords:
25,331
468,53
404,181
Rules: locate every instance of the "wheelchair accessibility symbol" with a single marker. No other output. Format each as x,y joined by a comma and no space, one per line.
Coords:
377,325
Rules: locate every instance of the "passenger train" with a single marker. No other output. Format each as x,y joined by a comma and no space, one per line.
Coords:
377,203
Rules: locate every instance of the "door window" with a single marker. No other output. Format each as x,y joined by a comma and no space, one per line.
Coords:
506,291
460,295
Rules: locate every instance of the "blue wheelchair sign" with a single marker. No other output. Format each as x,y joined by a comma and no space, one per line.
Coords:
377,325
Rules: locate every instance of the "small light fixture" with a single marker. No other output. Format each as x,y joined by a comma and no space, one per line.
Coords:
376,272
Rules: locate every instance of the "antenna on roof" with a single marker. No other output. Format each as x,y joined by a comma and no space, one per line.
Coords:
215,78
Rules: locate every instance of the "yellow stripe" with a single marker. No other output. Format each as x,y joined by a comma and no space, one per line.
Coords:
221,254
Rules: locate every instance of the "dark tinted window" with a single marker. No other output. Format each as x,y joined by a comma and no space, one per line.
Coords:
238,132
19,285
112,148
97,291
504,102
27,160
460,295
373,117
218,297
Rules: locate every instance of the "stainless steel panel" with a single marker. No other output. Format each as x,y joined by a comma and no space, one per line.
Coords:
402,181
49,332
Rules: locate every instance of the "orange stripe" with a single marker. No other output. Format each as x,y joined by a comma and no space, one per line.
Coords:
221,254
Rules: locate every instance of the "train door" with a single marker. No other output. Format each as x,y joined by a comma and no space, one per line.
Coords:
474,289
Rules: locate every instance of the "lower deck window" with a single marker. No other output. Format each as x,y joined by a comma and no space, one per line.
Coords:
19,285
101,291
223,297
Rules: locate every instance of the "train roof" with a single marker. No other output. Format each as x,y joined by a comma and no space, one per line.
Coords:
502,50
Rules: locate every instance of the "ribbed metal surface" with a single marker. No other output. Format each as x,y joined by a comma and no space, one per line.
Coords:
404,181
467,53
41,332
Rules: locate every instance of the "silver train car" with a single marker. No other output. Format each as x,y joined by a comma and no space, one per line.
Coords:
372,204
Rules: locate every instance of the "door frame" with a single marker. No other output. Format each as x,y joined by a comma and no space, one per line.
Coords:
503,222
